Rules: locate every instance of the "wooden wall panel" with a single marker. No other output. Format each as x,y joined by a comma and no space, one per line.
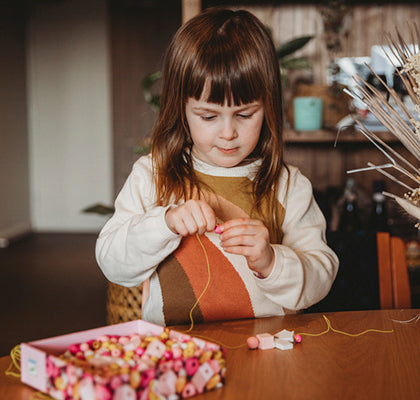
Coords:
139,37
366,27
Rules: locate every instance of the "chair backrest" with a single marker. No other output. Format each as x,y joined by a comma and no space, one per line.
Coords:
383,241
400,281
394,285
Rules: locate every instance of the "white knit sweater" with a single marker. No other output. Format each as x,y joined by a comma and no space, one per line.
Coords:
136,239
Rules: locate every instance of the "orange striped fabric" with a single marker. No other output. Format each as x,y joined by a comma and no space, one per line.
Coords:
225,298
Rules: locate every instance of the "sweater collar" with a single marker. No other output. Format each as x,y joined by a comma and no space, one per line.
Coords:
241,170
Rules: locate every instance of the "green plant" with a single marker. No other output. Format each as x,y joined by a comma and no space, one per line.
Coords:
286,62
99,208
146,85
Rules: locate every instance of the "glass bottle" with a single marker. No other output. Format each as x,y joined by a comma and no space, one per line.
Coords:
350,216
378,217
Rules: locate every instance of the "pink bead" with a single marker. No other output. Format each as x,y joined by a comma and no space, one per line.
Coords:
176,352
102,393
191,366
71,374
115,382
140,351
147,377
298,338
115,352
74,348
69,391
165,366
202,376
252,342
177,365
184,338
156,349
123,340
124,392
218,230
84,347
215,365
189,390
52,370
212,346
166,383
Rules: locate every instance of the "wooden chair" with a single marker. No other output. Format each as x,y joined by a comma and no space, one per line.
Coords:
123,303
372,275
394,286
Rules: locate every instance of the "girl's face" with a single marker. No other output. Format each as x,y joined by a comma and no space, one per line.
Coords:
225,135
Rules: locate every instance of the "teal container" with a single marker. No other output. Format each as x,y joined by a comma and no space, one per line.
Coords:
307,113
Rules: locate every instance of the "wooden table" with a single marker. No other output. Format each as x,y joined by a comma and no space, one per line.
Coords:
331,366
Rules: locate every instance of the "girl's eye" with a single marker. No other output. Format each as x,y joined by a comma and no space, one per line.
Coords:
245,116
208,117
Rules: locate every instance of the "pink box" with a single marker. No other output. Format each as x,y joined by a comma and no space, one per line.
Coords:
171,377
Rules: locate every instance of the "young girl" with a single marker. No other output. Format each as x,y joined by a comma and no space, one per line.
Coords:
213,213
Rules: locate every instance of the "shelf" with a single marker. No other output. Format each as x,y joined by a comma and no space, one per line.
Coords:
328,136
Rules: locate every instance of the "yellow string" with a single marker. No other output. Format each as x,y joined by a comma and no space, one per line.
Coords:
330,328
41,396
15,364
205,287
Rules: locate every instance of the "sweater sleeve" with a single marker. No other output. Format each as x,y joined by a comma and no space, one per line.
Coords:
305,267
136,238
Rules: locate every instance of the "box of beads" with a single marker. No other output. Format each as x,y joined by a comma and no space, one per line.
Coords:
134,360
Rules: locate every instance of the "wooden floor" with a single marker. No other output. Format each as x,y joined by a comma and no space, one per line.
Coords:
50,284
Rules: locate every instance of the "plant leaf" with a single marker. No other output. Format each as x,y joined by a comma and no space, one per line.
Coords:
99,208
291,46
295,63
146,84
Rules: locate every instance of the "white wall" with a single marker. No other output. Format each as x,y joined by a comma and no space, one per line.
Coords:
69,89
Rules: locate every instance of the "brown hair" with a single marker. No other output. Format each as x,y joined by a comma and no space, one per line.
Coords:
233,52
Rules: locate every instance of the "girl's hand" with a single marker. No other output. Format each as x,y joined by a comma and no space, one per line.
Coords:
250,238
194,216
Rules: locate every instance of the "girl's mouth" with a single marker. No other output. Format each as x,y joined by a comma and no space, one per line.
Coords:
228,151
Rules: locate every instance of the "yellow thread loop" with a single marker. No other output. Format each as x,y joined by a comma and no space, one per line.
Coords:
15,364
330,328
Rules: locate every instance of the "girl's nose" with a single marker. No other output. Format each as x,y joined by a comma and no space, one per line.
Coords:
228,132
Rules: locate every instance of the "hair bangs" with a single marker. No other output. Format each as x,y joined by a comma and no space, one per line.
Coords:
226,74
